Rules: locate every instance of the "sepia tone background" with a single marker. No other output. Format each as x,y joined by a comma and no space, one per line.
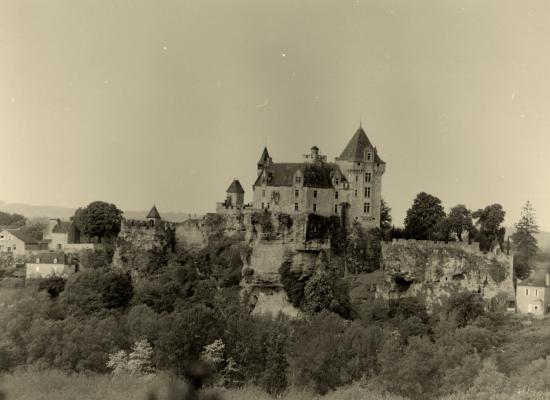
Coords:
136,102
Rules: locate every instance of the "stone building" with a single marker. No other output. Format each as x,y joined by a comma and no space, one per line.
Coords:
16,242
350,187
533,294
45,264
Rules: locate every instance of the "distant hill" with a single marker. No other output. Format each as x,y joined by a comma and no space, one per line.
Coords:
65,213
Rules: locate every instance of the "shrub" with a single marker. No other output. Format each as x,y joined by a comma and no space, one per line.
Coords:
137,362
53,285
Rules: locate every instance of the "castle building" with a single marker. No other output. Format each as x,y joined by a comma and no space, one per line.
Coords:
350,187
153,217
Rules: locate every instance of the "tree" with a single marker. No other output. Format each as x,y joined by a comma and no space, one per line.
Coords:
53,285
385,216
11,220
465,307
489,220
98,220
423,217
460,220
524,241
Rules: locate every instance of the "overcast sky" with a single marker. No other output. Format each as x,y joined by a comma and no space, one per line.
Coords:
141,102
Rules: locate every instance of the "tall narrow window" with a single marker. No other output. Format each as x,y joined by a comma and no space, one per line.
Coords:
268,206
367,192
336,181
527,292
336,195
263,193
369,156
368,176
314,207
355,192
295,206
315,194
262,205
366,208
296,193
356,178
336,209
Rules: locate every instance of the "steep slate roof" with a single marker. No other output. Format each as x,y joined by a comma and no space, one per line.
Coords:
264,157
62,227
355,149
315,175
47,258
537,279
22,236
153,214
235,187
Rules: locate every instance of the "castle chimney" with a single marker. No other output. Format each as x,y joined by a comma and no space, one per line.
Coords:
547,279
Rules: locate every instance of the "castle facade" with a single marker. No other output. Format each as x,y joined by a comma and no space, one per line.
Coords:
350,187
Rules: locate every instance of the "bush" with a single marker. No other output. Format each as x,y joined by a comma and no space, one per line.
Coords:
53,285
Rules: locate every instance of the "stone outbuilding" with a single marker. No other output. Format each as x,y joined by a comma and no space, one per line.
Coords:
533,294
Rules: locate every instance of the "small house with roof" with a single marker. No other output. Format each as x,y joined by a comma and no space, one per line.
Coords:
350,187
48,263
16,242
533,294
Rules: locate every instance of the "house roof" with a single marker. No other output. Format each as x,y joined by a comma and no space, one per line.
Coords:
47,258
154,214
537,279
318,175
62,227
22,236
355,149
235,187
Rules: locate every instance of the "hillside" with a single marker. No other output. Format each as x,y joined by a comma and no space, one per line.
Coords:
65,213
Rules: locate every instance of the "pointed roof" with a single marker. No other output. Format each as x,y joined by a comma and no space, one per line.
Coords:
235,187
153,214
264,157
355,149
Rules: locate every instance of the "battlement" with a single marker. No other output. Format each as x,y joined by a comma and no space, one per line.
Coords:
225,208
134,224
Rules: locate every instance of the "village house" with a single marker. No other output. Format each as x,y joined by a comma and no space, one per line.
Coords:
63,235
533,294
45,264
350,187
16,242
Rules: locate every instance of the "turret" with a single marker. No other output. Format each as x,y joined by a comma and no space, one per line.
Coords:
154,217
235,194
264,161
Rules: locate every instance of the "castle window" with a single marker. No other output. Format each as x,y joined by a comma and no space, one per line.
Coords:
295,206
298,179
367,192
358,164
336,209
314,207
366,208
527,292
262,205
368,176
315,194
296,193
336,181
369,156
356,178
263,193
267,206
336,195
355,192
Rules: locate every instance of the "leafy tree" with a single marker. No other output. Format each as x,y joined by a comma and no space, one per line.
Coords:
95,258
325,291
363,250
524,241
53,285
460,220
34,228
423,217
465,307
98,220
385,216
92,291
11,220
489,220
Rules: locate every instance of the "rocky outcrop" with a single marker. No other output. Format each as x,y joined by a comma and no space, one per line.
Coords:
435,270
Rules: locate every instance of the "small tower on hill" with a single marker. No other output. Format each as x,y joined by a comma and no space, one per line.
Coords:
264,161
235,194
154,217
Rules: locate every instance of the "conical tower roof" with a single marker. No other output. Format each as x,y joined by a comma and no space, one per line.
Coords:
264,157
153,214
235,187
355,149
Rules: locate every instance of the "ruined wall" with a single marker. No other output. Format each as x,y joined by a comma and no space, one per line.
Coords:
435,270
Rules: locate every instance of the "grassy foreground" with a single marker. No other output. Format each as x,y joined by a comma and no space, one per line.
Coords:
46,385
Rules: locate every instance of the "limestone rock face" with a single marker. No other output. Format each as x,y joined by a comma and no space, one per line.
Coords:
435,270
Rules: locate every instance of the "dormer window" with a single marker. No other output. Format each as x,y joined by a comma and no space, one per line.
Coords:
298,179
336,181
369,156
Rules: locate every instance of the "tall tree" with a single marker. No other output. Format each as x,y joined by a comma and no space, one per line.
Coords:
524,242
460,220
424,217
99,220
489,220
385,216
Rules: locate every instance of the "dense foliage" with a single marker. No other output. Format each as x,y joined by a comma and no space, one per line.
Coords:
424,217
98,220
525,243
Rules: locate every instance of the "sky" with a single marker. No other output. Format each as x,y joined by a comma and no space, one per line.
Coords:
166,102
